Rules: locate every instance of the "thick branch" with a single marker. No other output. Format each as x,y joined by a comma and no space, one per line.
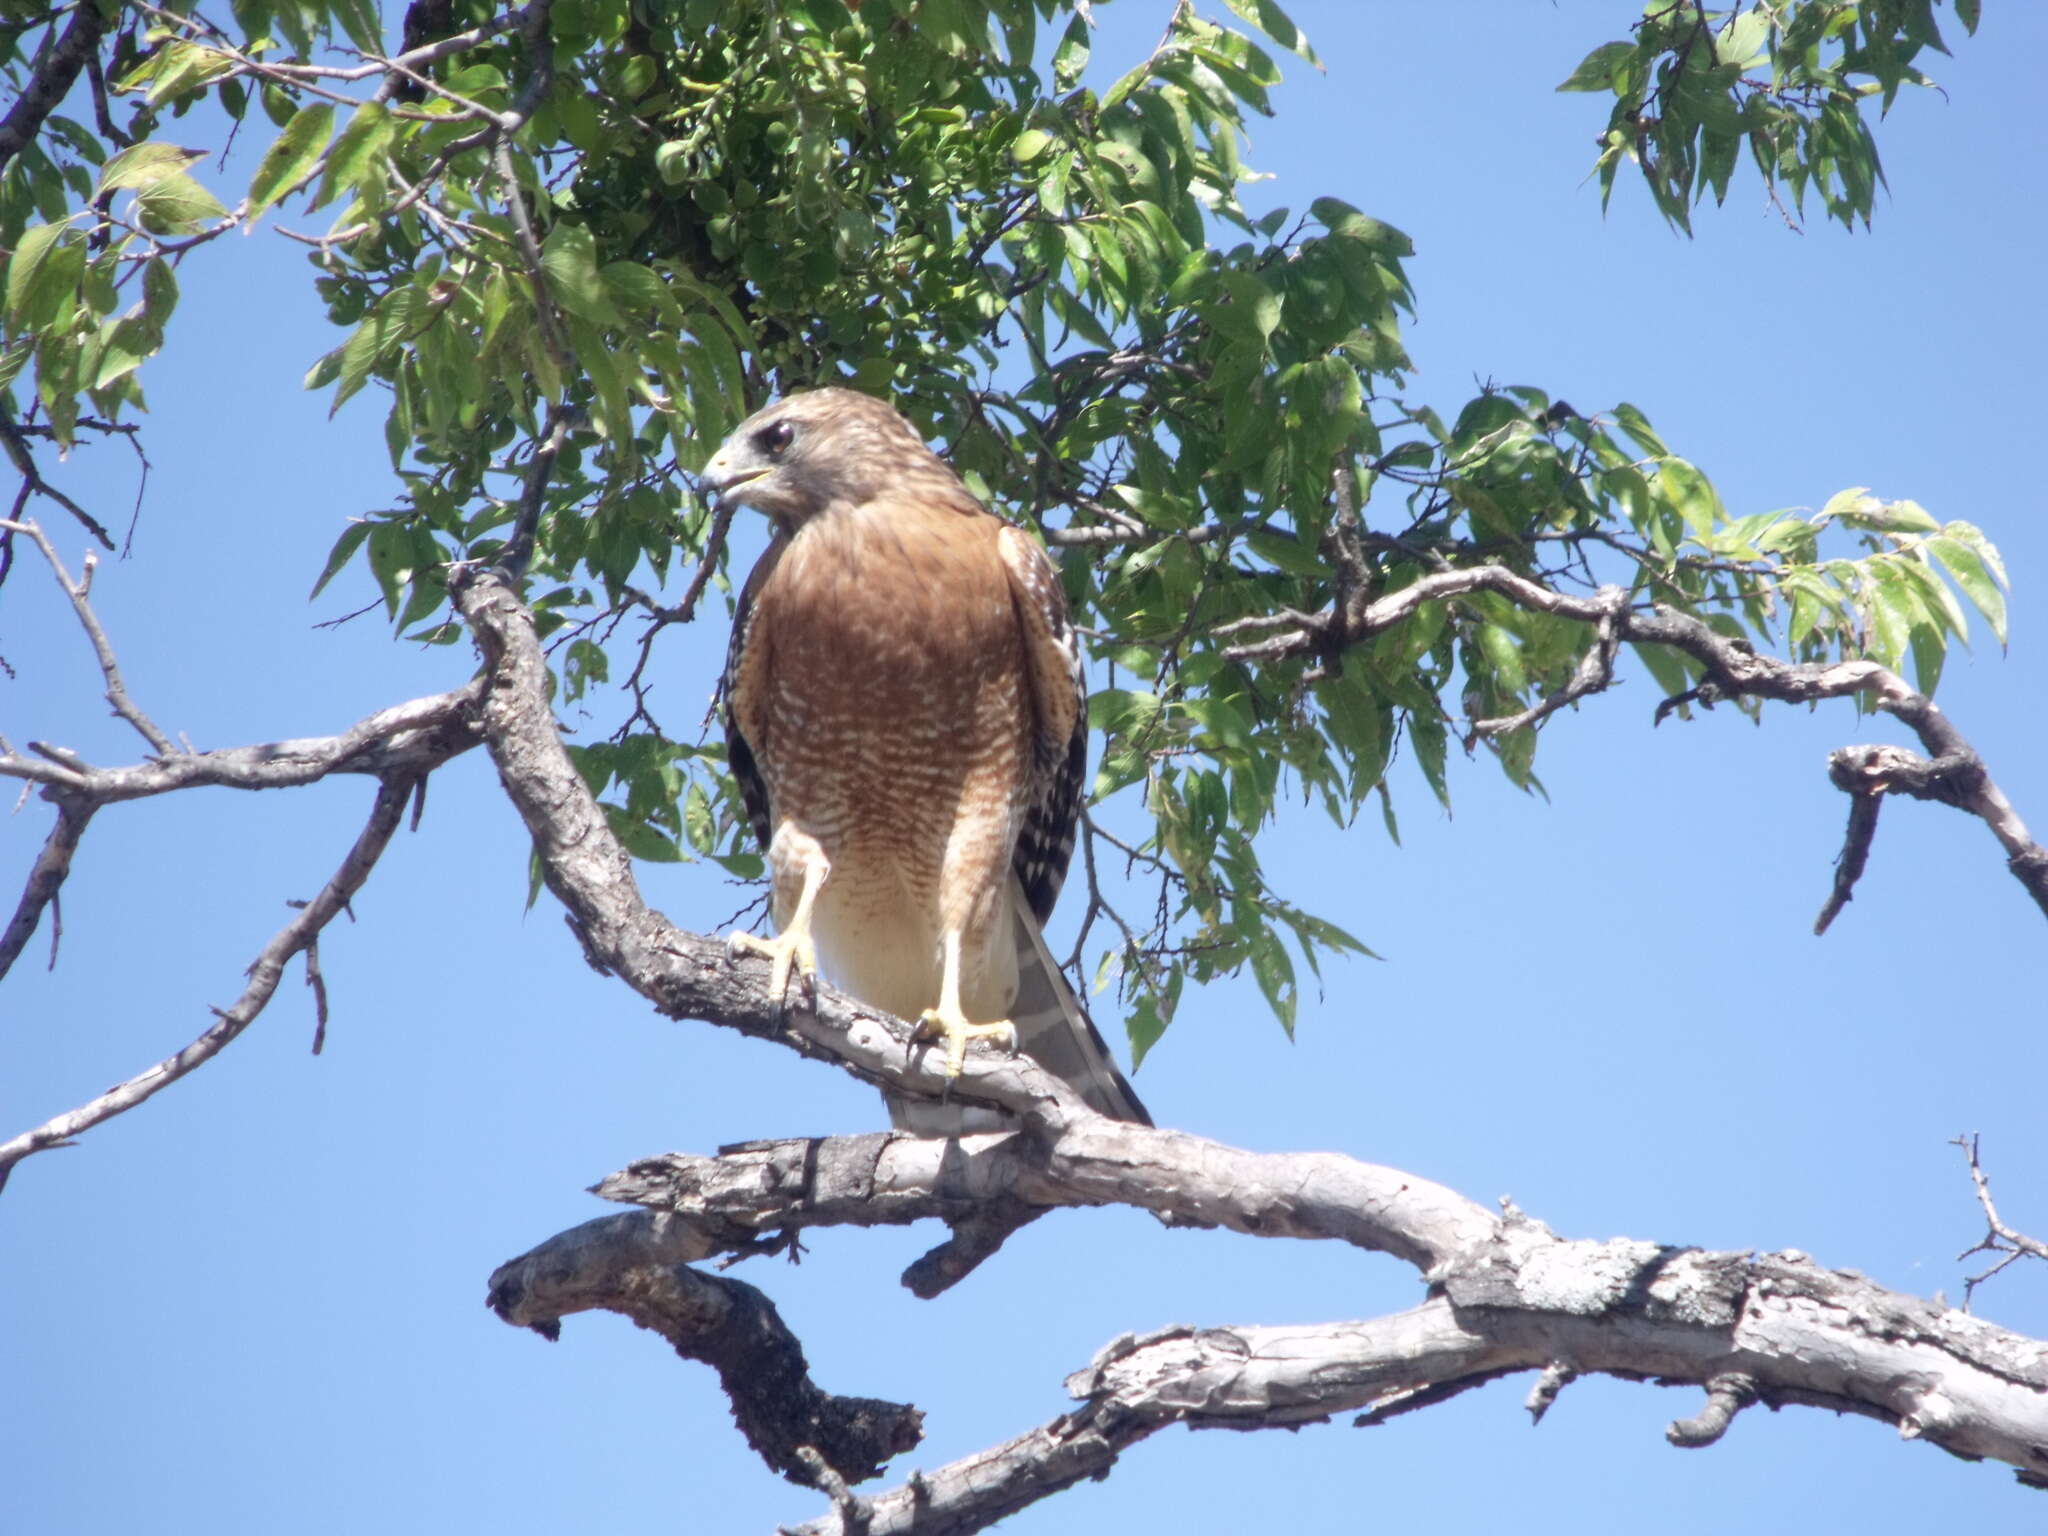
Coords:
1777,1330
891,1178
637,1264
264,973
52,80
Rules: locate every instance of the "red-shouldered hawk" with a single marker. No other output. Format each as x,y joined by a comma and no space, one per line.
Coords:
906,718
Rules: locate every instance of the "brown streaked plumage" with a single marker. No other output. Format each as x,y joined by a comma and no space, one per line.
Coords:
905,714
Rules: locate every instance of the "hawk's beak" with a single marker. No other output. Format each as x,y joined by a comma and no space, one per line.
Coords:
720,481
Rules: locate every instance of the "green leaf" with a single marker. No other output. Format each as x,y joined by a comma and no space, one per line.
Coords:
1029,145
344,549
639,839
1278,25
292,157
176,205
357,160
1639,430
29,263
569,259
142,165
1596,69
1974,577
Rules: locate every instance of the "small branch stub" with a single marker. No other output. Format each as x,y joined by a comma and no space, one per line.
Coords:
1726,1396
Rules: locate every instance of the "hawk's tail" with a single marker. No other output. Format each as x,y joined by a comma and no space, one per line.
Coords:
1053,1028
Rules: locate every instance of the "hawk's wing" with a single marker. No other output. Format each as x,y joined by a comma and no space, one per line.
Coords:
1045,844
739,663
1052,1026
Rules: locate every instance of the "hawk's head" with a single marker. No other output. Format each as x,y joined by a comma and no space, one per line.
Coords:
812,451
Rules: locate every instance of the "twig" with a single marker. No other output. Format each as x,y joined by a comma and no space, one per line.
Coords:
1999,1238
264,974
518,551
1594,673
78,592
32,482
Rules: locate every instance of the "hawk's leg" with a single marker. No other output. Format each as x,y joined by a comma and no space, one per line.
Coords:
792,948
949,1022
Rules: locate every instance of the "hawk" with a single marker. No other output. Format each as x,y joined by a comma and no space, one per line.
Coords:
905,715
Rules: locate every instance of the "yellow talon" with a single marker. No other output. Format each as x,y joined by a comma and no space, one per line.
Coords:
791,951
953,1028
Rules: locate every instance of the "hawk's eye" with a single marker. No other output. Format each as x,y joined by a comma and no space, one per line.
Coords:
773,439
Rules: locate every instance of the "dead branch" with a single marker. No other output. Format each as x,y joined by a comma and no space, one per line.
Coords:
264,973
44,882
638,1264
1774,1329
409,739
1998,1238
79,592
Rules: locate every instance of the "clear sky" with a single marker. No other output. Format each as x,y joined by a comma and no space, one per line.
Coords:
255,1304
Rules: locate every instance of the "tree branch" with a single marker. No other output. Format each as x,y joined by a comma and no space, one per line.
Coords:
45,880
264,973
15,442
1956,775
1998,1237
52,81
407,739
80,592
1774,1329
638,1264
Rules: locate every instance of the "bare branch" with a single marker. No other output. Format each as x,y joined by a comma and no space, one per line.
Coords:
79,592
1998,1238
1849,863
1774,1329
264,974
409,739
45,880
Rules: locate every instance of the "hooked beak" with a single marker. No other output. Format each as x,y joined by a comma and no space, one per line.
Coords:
721,481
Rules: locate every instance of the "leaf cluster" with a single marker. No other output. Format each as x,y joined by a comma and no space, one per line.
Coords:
1787,78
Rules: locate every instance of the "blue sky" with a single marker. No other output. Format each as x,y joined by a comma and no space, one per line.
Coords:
256,1303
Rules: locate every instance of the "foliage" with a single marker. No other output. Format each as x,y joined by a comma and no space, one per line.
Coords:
571,244
1787,77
